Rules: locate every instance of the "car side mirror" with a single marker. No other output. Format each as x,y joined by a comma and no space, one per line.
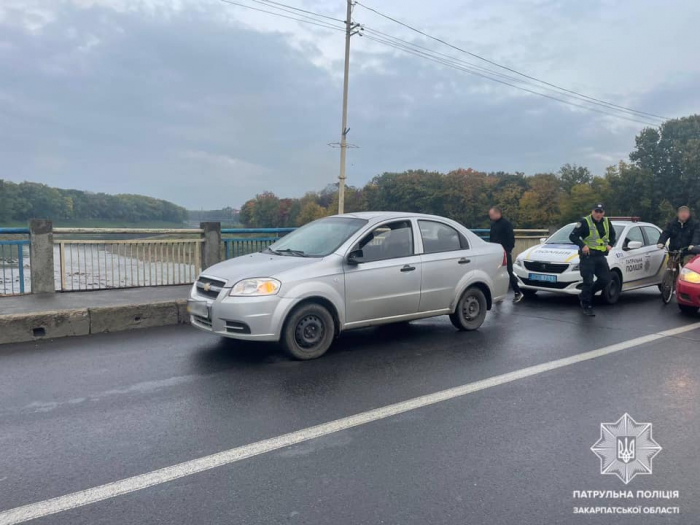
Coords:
542,240
634,245
356,257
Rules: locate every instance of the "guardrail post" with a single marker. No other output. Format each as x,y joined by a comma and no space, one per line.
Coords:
211,247
41,256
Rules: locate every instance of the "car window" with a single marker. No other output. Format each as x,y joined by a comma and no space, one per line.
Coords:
388,241
634,234
319,238
561,236
618,231
438,237
652,235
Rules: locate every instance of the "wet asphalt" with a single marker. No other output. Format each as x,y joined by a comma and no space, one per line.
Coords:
77,413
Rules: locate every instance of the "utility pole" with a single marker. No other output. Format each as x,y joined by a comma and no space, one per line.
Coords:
344,130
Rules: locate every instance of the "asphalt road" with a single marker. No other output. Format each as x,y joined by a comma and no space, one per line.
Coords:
83,412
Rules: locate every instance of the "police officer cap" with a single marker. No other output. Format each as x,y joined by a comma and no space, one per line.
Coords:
599,207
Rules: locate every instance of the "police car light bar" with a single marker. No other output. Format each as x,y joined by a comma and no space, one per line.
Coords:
632,219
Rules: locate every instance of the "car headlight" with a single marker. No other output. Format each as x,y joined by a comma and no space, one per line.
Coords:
255,287
576,267
518,262
690,276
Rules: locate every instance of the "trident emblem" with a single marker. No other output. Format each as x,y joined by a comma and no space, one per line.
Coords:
625,449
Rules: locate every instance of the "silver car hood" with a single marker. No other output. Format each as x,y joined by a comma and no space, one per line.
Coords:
256,265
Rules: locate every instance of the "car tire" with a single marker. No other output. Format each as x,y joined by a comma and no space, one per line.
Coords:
471,310
529,294
612,291
688,309
308,332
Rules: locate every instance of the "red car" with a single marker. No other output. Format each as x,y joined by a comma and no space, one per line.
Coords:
688,287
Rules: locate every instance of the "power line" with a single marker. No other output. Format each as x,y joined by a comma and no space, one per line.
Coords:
471,71
305,20
471,65
303,10
632,110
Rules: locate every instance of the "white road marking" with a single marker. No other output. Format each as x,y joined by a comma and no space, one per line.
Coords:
157,477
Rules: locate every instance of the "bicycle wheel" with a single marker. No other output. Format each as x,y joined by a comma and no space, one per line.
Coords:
667,286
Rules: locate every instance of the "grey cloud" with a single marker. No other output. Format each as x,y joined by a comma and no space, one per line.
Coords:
206,113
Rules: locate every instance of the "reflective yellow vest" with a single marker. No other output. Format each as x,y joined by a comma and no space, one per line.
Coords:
594,241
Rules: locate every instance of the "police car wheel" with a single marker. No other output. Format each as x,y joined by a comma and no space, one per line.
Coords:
308,332
471,310
612,292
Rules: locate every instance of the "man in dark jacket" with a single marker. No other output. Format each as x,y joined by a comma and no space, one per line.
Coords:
502,233
683,231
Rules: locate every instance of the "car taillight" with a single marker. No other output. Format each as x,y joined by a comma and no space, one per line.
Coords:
505,259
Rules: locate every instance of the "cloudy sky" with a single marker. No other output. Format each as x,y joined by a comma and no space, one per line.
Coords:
206,103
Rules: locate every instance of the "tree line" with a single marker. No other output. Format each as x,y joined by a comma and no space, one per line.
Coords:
663,173
27,200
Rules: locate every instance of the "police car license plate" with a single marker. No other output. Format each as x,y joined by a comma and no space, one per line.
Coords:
544,278
198,308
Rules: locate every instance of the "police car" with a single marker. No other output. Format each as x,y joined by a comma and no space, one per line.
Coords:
553,266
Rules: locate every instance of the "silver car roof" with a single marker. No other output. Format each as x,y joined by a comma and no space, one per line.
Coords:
383,215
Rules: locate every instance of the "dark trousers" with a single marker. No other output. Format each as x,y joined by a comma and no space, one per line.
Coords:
593,265
513,278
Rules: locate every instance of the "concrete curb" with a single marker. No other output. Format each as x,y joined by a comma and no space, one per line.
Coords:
19,328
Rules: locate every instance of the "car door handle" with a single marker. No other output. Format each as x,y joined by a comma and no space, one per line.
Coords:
408,268
463,260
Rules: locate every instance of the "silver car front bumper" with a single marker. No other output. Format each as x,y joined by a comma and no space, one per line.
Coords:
247,318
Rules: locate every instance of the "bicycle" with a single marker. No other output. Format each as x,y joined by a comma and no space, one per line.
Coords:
673,268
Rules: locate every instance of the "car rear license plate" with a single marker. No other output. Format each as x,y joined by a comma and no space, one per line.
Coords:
543,278
198,308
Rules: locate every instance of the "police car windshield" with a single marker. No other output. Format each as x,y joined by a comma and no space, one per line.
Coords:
562,236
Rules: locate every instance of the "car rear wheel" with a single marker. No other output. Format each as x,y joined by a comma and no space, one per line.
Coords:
308,332
471,310
688,309
612,291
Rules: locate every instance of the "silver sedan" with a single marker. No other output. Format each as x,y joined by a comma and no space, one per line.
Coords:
351,271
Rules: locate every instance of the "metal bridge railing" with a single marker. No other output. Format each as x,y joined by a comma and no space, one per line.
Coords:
248,240
153,259
14,255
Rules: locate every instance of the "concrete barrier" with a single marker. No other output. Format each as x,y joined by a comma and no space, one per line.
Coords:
34,326
18,328
119,318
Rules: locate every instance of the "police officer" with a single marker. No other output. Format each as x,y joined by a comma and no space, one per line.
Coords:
595,237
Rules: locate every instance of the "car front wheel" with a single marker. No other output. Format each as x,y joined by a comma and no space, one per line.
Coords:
471,310
612,291
308,332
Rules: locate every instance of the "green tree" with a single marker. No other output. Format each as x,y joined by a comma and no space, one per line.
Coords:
572,175
539,205
671,155
310,212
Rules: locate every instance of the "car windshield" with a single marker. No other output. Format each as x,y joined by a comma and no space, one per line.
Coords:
562,236
319,238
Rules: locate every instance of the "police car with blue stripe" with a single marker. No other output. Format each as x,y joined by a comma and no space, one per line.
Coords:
553,266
